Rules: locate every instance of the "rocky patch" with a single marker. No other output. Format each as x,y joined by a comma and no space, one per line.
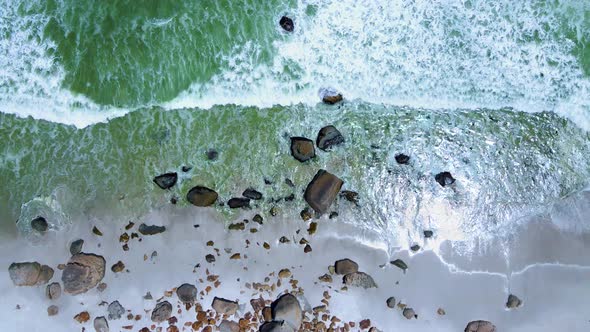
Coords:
330,96
302,149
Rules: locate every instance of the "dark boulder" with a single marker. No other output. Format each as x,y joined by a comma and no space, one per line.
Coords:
401,264
166,181
201,196
513,302
252,194
39,224
402,159
187,293
161,312
212,154
287,24
302,149
238,202
322,191
151,229
444,179
329,137
428,234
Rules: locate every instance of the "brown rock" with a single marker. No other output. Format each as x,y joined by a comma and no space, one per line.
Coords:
96,231
267,314
480,326
322,191
513,302
83,272
201,196
365,324
302,149
329,137
53,291
224,307
82,317
118,267
359,279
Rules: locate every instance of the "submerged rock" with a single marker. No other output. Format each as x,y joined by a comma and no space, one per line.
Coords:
513,302
53,291
444,179
101,324
252,194
480,326
162,312
330,96
115,310
359,279
302,149
24,274
329,137
212,154
287,24
76,246
322,191
166,181
238,202
151,229
201,196
187,293
39,224
287,309
83,272
402,159
345,266
224,307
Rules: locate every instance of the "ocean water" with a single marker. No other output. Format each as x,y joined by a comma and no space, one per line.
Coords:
98,97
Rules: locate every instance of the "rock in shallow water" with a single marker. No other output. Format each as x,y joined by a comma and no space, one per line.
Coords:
76,246
39,224
329,137
166,181
399,263
162,312
444,179
513,302
480,326
251,193
287,309
322,191
287,24
402,159
83,272
330,96
201,196
238,202
302,149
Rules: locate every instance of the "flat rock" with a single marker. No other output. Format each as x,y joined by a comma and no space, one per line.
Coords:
287,309
402,159
187,293
115,310
302,149
238,202
444,179
322,191
201,196
252,193
76,246
151,229
399,263
229,326
330,96
287,24
409,313
480,326
224,307
329,137
162,312
83,272
101,324
166,181
53,291
359,279
39,224
275,327
24,274
513,302
345,266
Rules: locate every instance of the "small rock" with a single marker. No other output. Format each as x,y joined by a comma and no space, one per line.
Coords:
151,229
252,194
39,224
402,159
391,302
284,273
444,179
480,326
322,191
441,311
229,326
83,272
428,234
187,293
96,231
115,310
330,96
306,214
76,247
212,154
307,249
53,291
257,304
284,239
258,219
52,310
415,248
210,258
166,181
333,215
513,302
351,196
274,211
237,227
186,168
325,278
201,196
238,202
224,307
45,275
24,274
329,137
409,313
101,324
287,308
401,264
161,312
101,287
365,324
359,279
267,314
287,24
82,317
118,267
345,266
302,149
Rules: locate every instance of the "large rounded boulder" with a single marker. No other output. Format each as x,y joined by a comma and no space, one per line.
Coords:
82,273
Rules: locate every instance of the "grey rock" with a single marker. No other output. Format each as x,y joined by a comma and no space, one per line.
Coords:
322,191
187,293
275,327
115,310
287,308
201,196
166,181
345,266
258,219
83,272
76,247
52,310
229,326
391,302
151,229
223,306
480,326
39,224
101,324
24,274
210,258
53,291
302,149
359,279
238,202
401,264
161,312
329,137
513,302
409,313
251,193
444,179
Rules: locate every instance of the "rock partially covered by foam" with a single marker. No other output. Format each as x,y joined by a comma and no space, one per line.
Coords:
330,96
29,273
322,191
82,273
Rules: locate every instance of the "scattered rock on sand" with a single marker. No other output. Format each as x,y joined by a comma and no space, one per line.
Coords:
187,293
238,202
118,267
306,214
76,246
287,24
101,324
409,313
82,317
45,275
166,181
115,310
258,219
52,310
53,291
39,224
29,273
201,196
251,193
302,149
162,312
83,272
359,279
401,264
402,159
229,326
330,96
444,179
287,308
329,137
513,302
322,191
391,302
480,326
151,229
345,266
224,307
210,258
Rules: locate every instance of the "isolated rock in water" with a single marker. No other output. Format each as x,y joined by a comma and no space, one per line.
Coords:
201,196
444,179
329,137
401,264
166,181
409,313
302,149
24,274
287,308
39,224
391,302
402,159
212,154
346,266
330,96
229,326
187,293
223,306
76,246
287,24
162,312
52,310
151,229
101,324
53,291
513,302
115,310
322,191
359,279
428,234
252,194
275,327
238,202
83,272
480,326
186,168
